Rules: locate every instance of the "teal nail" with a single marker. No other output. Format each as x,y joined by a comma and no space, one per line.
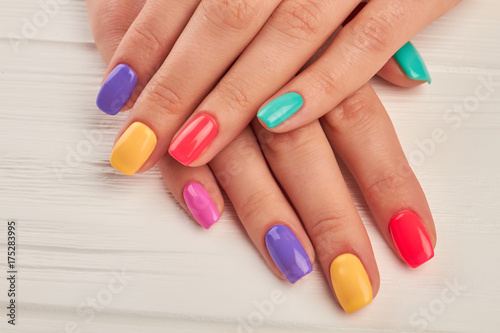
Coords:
412,63
280,109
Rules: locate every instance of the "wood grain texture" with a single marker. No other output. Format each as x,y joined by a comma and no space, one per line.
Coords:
80,223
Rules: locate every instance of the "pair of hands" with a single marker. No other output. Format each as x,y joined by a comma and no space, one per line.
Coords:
207,66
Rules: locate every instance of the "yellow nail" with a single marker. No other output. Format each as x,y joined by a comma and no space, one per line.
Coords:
133,148
350,282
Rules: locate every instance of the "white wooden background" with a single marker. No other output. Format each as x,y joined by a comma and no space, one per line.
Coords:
82,224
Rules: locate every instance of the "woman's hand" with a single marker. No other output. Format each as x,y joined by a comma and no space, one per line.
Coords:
312,188
205,67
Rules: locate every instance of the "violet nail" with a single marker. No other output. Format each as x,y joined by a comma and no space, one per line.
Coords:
116,90
200,205
288,253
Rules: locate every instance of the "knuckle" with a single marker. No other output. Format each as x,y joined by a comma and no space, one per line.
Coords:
233,94
254,202
389,181
354,112
301,139
164,97
107,23
374,35
142,36
109,12
329,225
325,79
298,19
234,14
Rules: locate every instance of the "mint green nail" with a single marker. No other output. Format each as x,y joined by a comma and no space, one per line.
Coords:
412,63
280,109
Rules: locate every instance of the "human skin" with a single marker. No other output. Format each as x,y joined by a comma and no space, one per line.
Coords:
313,201
229,59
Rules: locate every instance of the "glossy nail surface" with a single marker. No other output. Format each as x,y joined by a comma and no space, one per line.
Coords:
412,63
280,109
116,90
200,205
411,238
288,253
350,282
193,139
133,148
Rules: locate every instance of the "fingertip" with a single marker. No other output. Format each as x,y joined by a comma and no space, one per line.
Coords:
133,148
406,68
393,73
201,204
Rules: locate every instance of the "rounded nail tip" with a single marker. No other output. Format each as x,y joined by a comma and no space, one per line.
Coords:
109,112
182,159
293,279
416,264
104,107
121,168
351,308
208,224
178,158
425,78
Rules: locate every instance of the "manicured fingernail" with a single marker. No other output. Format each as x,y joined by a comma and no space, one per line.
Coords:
117,89
411,238
288,253
193,139
200,205
412,63
350,282
280,109
133,148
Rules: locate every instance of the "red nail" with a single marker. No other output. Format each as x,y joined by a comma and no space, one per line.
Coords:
411,238
193,139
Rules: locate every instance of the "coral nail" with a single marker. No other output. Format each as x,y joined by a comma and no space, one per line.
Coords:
193,139
411,238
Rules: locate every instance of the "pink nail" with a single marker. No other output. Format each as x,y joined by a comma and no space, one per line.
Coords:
200,205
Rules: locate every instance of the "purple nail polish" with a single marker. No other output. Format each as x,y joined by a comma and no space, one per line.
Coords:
287,253
116,89
200,205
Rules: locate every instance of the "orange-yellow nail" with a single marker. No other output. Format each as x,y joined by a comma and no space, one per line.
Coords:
350,282
133,148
